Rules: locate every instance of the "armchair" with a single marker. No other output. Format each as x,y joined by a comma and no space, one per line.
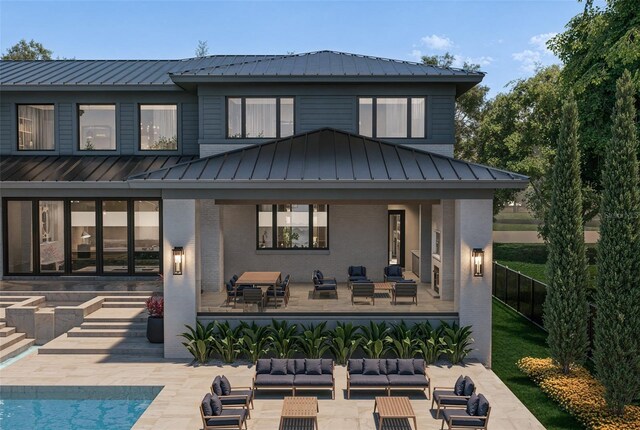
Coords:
357,273
393,273
324,285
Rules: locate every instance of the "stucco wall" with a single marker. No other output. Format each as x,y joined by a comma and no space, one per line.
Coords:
357,236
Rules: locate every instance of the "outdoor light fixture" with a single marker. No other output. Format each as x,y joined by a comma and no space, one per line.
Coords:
178,260
477,261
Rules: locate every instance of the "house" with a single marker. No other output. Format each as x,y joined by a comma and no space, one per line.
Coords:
236,163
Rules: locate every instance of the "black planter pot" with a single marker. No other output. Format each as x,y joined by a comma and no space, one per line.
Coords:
155,329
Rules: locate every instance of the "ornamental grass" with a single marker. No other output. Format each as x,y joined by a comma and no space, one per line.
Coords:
579,393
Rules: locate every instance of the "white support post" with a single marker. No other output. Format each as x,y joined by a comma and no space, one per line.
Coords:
447,251
179,222
474,229
212,246
425,243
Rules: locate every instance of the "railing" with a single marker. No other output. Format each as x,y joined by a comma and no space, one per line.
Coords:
527,295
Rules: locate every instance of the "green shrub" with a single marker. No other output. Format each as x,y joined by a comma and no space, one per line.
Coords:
199,341
283,339
457,341
429,343
401,341
227,341
374,339
314,341
255,341
344,341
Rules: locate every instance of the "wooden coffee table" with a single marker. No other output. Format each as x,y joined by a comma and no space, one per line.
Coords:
394,407
383,287
305,408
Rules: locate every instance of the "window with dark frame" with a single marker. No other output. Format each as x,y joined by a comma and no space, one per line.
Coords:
260,117
292,226
36,127
392,117
158,127
97,127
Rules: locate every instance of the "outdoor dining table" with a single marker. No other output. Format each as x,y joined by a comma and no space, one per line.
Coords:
260,279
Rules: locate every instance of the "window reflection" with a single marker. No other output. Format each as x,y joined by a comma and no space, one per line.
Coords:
83,236
146,235
51,227
115,244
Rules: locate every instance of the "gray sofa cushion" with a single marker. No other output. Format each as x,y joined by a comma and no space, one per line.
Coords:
447,397
291,366
278,366
231,418
418,366
405,367
483,406
327,366
392,366
216,385
407,380
371,366
225,385
216,405
472,405
469,386
263,366
274,380
313,381
233,401
206,406
453,413
458,388
355,366
369,380
299,365
313,366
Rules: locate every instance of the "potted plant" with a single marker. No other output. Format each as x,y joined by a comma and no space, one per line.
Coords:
155,322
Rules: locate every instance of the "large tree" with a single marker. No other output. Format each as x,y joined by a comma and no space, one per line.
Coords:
30,51
565,306
617,322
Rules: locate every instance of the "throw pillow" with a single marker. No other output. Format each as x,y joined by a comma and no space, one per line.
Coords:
216,405
225,385
206,406
392,366
472,405
217,389
458,388
418,366
327,366
483,406
263,366
469,386
405,367
313,366
355,366
371,366
279,366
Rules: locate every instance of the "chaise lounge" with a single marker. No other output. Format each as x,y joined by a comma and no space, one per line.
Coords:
387,374
295,374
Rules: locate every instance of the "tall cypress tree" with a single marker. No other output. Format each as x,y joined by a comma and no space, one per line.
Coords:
617,323
565,308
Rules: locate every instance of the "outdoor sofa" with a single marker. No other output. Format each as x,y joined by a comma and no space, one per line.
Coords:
295,374
474,416
453,397
215,416
387,374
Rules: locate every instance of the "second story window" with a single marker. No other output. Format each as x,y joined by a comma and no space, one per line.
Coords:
158,127
36,128
97,127
259,117
392,117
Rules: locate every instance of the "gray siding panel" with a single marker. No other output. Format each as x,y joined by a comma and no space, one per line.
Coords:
314,112
65,127
127,128
213,126
6,128
190,129
442,118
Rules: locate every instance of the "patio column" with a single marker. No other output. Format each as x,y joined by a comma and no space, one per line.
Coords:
212,246
426,274
473,229
179,224
447,252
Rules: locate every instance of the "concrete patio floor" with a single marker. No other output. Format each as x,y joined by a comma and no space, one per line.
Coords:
176,407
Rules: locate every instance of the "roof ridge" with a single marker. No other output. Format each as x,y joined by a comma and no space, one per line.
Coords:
266,57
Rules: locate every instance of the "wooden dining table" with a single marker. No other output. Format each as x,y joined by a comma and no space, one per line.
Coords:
260,279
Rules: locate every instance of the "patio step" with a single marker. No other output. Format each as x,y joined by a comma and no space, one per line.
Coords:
6,331
117,315
6,342
114,325
16,348
111,299
7,303
123,305
117,332
3,324
102,345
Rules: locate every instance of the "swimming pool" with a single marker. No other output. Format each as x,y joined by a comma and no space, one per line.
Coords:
78,408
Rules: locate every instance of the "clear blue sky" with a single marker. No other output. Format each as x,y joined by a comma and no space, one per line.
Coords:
505,37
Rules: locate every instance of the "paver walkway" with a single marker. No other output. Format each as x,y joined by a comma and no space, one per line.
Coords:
176,407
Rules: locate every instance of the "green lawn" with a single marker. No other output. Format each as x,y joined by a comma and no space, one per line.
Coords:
513,338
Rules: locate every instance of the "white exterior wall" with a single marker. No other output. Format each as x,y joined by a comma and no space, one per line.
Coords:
444,223
426,238
357,236
180,225
473,229
211,245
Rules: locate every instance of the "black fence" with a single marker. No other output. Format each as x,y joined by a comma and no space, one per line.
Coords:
526,296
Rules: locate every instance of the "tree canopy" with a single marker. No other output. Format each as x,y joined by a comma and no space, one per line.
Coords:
30,51
202,50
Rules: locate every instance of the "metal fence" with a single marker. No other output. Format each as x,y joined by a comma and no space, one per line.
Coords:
526,296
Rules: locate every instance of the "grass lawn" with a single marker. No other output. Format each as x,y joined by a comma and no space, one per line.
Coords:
513,338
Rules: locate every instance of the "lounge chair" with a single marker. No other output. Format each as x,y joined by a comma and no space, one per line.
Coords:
279,292
405,289
252,296
324,285
393,273
215,416
453,397
475,416
357,274
363,289
236,397
232,293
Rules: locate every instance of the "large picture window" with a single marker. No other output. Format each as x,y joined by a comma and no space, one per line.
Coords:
35,128
158,127
260,117
97,127
392,117
293,227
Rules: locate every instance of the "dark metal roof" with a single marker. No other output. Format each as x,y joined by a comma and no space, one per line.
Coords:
329,155
82,168
163,73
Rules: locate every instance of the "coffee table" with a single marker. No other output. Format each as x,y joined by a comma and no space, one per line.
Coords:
394,407
383,287
305,408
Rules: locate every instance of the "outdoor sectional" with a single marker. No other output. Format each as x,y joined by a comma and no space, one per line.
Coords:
387,374
295,374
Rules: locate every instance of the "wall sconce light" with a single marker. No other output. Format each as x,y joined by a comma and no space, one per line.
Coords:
477,262
178,260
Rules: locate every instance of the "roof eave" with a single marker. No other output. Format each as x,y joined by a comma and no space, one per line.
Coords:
169,87
201,79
